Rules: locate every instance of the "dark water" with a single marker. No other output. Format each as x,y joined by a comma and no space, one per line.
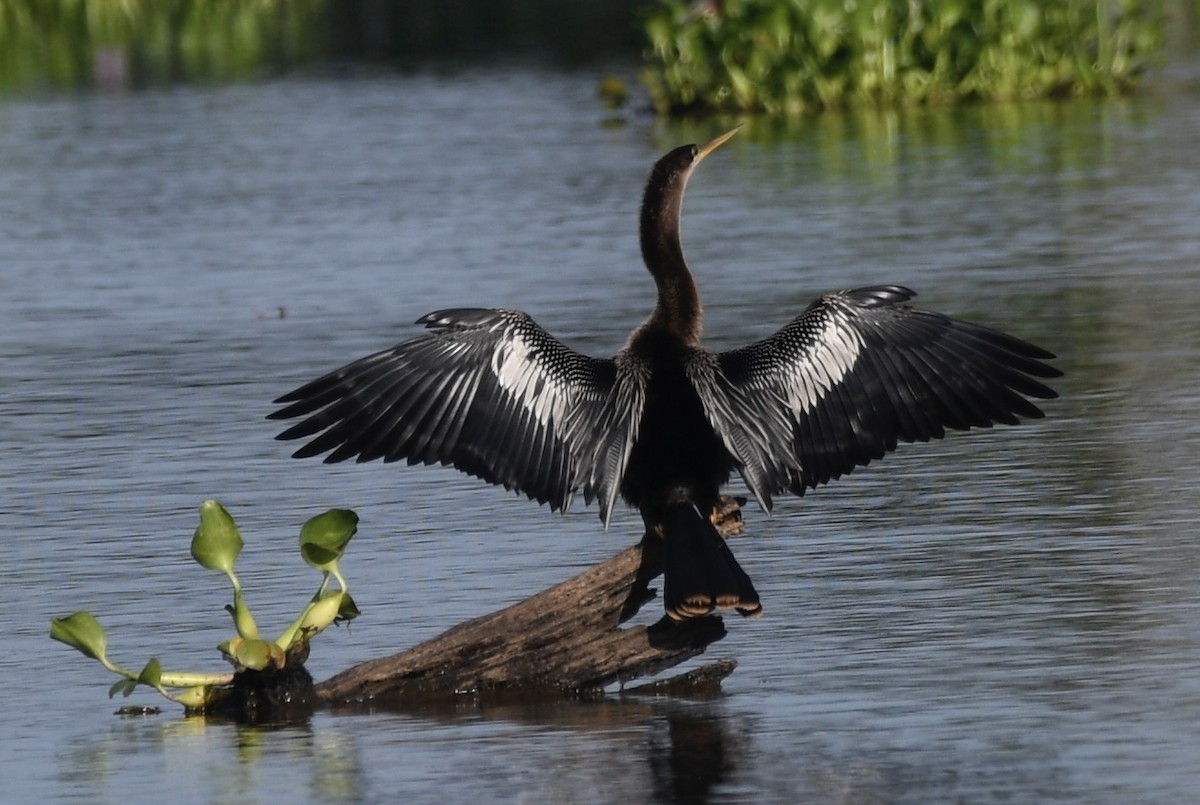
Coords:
1005,616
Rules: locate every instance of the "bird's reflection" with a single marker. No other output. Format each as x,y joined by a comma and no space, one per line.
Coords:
688,747
691,752
691,744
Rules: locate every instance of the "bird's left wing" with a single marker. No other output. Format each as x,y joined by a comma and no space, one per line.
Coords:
487,391
854,374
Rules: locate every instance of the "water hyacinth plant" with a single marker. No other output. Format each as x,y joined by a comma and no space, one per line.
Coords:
215,546
793,56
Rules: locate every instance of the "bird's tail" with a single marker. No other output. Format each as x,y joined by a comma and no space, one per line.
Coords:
699,572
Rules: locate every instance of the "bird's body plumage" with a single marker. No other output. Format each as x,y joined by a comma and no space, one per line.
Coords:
664,423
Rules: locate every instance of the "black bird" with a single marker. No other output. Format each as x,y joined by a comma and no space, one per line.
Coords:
664,423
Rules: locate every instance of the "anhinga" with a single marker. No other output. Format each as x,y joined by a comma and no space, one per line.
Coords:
665,422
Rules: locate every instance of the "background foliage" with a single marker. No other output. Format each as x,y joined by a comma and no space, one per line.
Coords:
794,55
772,56
70,43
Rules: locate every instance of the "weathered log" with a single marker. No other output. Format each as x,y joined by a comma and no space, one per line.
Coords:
567,638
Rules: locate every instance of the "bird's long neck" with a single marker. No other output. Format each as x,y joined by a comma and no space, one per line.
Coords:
678,309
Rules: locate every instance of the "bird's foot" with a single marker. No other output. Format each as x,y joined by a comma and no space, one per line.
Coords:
726,515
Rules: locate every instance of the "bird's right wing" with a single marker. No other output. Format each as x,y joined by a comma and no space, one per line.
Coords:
853,375
489,392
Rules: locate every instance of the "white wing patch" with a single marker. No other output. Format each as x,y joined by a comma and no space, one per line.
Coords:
834,349
518,373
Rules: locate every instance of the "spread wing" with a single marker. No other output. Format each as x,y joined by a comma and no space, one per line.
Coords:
487,391
853,375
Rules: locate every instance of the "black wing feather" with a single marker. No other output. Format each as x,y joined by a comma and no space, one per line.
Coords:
855,374
488,392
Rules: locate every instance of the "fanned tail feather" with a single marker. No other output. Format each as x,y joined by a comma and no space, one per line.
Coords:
700,573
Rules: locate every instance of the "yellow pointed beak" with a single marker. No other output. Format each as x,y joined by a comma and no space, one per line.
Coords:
717,143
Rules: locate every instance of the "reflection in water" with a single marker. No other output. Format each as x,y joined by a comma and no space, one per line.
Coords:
232,761
690,747
690,754
687,750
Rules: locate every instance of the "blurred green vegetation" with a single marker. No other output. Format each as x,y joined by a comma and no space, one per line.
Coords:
792,56
74,43
773,56
67,44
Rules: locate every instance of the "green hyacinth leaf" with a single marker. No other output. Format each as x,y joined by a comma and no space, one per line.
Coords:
81,632
321,613
194,698
243,621
217,541
123,686
348,610
152,674
324,537
257,654
201,697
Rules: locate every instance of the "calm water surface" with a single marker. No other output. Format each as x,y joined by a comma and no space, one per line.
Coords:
1004,616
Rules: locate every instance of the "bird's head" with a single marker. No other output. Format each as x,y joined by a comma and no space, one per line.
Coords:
674,168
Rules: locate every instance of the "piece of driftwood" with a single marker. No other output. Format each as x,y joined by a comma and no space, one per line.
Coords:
567,638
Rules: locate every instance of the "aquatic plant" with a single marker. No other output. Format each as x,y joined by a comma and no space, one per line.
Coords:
72,43
215,546
792,56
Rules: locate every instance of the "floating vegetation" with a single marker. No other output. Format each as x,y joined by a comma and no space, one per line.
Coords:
268,676
793,56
